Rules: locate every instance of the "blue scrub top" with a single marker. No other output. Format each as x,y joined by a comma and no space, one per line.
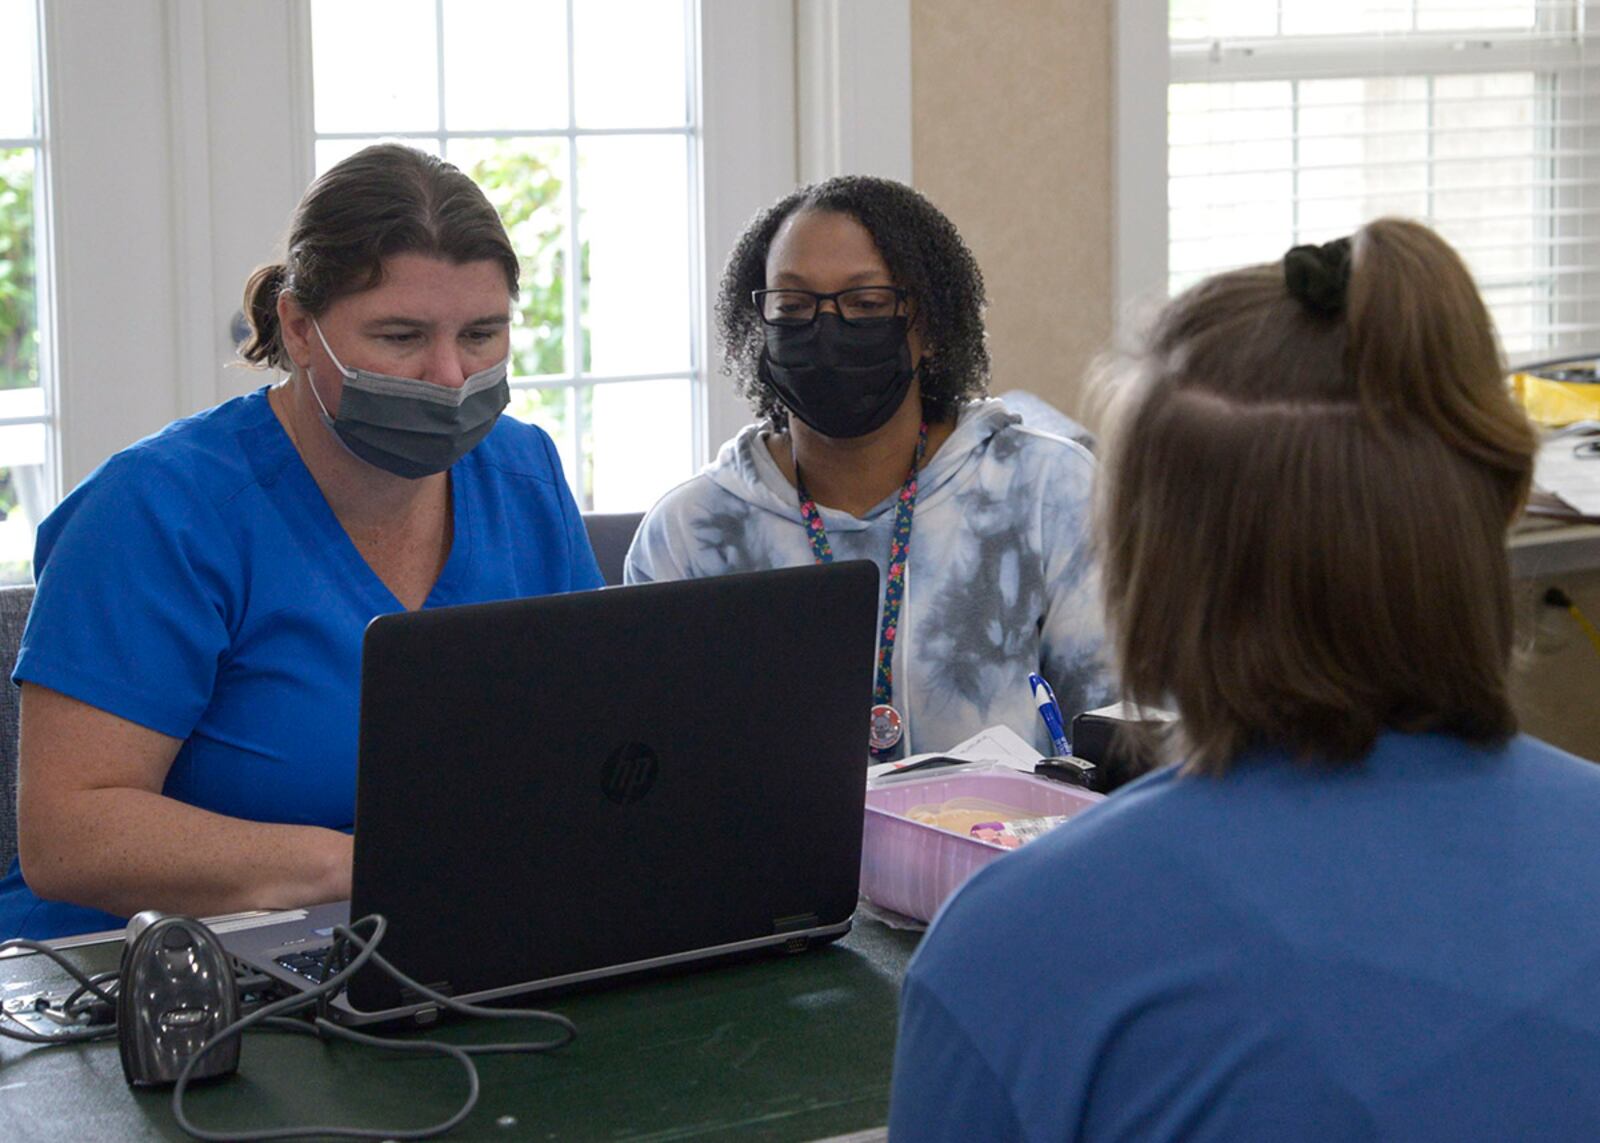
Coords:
198,584
1403,948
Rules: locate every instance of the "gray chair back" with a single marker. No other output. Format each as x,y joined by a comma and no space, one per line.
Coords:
14,605
610,535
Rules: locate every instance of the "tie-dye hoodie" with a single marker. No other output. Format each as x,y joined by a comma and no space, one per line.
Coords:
1000,581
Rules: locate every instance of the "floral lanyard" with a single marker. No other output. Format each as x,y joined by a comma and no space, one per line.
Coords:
886,723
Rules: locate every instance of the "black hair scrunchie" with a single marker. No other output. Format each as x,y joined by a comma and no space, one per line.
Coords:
1319,276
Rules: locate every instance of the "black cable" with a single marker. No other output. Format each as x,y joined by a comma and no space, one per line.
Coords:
322,1028
86,985
274,1015
71,1036
569,1031
89,983
82,990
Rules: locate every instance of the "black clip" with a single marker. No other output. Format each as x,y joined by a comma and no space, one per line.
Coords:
1072,771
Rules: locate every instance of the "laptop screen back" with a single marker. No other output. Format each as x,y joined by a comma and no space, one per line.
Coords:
558,786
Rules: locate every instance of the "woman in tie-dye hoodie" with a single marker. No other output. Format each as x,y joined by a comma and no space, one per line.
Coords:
851,317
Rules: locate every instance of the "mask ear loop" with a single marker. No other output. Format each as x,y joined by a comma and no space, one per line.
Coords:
347,374
311,383
327,417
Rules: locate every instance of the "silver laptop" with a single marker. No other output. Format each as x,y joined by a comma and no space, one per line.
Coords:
559,790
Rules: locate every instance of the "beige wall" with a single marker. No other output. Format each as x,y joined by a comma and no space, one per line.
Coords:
1011,137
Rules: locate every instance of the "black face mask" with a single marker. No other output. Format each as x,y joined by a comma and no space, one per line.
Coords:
842,380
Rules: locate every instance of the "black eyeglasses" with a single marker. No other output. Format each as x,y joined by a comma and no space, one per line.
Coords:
855,305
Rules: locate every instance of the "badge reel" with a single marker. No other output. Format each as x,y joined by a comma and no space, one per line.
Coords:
884,730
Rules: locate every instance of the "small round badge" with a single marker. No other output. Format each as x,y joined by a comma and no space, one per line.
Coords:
884,730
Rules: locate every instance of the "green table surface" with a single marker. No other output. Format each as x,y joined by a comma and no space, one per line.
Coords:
795,1047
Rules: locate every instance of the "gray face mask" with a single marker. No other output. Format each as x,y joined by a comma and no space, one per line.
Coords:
413,428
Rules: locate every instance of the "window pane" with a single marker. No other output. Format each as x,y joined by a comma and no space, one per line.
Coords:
505,64
526,181
639,436
606,291
19,306
633,192
1363,153
17,44
331,151
1320,18
551,410
23,492
375,64
628,66
1441,14
24,482
1231,185
1469,154
1492,203
1209,19
1520,313
1219,19
25,464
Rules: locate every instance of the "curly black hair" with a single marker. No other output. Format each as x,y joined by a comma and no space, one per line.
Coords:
925,255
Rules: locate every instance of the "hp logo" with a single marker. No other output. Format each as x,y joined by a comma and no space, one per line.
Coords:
629,773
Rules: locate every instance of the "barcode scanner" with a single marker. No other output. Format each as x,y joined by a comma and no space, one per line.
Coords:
175,991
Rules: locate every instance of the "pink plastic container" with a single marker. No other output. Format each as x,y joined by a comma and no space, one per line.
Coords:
911,867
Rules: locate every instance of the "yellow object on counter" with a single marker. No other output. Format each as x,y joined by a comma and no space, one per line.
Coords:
1558,396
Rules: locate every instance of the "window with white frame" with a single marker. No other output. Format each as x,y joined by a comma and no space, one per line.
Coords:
577,119
1292,121
26,478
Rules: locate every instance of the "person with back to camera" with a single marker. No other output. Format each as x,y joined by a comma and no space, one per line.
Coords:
190,670
1363,907
851,316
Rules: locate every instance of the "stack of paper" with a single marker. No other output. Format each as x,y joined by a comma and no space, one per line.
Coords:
1568,467
998,744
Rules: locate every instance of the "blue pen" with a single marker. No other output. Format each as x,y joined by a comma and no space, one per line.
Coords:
1051,713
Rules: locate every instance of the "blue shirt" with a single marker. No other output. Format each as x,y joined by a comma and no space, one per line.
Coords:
199,585
1405,949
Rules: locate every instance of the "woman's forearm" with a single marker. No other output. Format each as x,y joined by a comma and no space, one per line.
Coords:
123,850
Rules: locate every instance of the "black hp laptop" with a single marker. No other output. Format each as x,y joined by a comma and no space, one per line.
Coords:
556,790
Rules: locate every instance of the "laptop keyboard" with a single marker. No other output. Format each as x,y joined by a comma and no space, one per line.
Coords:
313,964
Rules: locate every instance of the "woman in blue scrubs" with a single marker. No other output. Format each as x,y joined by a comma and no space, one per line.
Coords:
190,669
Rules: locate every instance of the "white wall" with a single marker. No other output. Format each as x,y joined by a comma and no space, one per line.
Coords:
175,161
853,60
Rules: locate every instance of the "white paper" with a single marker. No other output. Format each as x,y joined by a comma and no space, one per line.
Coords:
1574,478
1128,712
997,744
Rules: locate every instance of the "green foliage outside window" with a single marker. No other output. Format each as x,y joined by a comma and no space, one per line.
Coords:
19,333
19,336
525,184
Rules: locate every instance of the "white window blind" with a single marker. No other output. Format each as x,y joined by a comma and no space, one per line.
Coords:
1291,121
